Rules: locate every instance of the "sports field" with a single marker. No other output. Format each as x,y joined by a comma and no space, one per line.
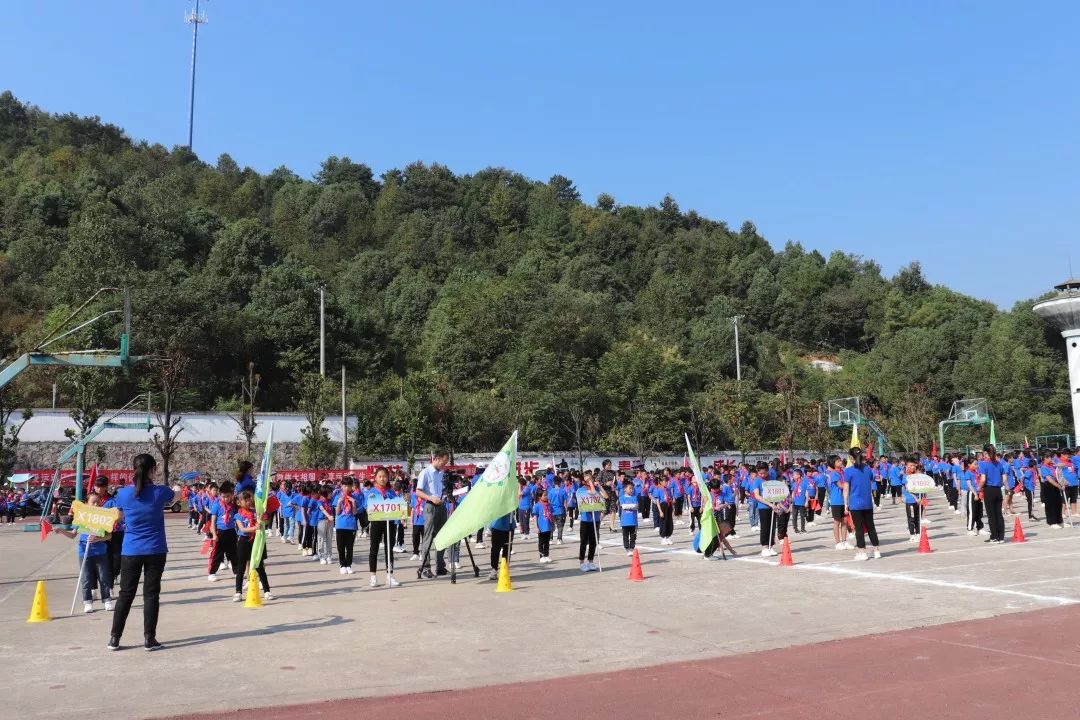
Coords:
330,637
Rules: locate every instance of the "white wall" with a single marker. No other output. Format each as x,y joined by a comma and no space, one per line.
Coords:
49,425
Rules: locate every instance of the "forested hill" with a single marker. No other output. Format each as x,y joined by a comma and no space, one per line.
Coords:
464,305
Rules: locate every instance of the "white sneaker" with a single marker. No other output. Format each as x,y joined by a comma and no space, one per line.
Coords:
88,607
349,570
629,553
861,556
342,571
972,533
840,546
877,554
373,581
283,541
1059,526
392,582
479,546
417,557
956,512
109,605
322,561
926,521
211,578
585,567
268,595
849,545
812,523
593,567
237,597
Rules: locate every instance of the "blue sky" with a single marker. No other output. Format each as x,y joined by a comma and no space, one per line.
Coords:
944,132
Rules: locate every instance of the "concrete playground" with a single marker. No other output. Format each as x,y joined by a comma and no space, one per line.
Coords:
330,637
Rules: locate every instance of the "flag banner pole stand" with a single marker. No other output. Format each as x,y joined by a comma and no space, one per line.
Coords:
82,574
389,568
599,563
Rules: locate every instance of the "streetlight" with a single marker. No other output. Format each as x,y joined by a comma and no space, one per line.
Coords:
738,365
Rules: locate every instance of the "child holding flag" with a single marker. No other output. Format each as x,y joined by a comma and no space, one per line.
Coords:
246,526
222,530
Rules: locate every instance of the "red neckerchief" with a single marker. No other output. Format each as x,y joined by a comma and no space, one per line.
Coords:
347,504
382,491
249,517
226,517
545,507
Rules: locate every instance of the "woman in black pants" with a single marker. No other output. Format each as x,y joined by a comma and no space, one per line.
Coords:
142,505
590,523
990,482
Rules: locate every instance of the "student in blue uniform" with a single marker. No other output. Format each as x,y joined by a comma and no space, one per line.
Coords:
911,501
800,493
896,479
628,516
222,530
247,523
545,523
859,501
380,534
525,502
94,552
288,513
693,493
590,522
990,484
500,540
345,526
557,500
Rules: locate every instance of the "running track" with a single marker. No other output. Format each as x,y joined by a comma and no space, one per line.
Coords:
1022,666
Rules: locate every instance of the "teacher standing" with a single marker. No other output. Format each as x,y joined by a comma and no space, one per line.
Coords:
142,505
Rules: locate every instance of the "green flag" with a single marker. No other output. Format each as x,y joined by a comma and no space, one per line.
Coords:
709,529
493,494
993,434
262,491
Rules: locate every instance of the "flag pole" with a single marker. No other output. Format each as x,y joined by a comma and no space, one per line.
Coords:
82,573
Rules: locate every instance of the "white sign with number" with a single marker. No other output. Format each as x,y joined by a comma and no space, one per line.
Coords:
774,491
919,484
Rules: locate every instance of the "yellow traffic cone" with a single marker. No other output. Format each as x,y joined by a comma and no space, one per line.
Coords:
39,611
504,577
254,592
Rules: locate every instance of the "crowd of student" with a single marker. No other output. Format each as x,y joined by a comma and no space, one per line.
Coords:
323,521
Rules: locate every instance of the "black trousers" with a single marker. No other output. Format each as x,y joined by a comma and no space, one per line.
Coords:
150,568
418,534
864,525
1027,496
379,534
543,543
695,517
434,519
912,512
587,543
974,511
499,540
765,526
225,547
992,501
629,536
115,543
1053,501
667,520
243,557
346,540
644,506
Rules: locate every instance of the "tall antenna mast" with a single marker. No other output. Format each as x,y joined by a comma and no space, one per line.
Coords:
196,19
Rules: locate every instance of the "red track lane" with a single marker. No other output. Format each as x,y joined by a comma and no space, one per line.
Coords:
1022,667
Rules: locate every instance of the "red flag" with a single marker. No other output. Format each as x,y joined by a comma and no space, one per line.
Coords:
933,448
46,528
685,460
869,449
1027,445
783,459
93,479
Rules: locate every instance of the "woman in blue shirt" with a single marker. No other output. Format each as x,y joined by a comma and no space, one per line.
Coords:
835,484
859,502
990,483
142,505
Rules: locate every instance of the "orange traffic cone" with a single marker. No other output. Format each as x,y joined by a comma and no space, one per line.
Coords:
924,542
1018,532
206,545
785,554
635,568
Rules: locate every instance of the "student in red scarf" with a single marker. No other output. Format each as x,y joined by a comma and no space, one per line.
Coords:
380,534
246,525
545,523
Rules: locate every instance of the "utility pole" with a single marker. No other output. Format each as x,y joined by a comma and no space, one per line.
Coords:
344,424
196,19
738,365
322,331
